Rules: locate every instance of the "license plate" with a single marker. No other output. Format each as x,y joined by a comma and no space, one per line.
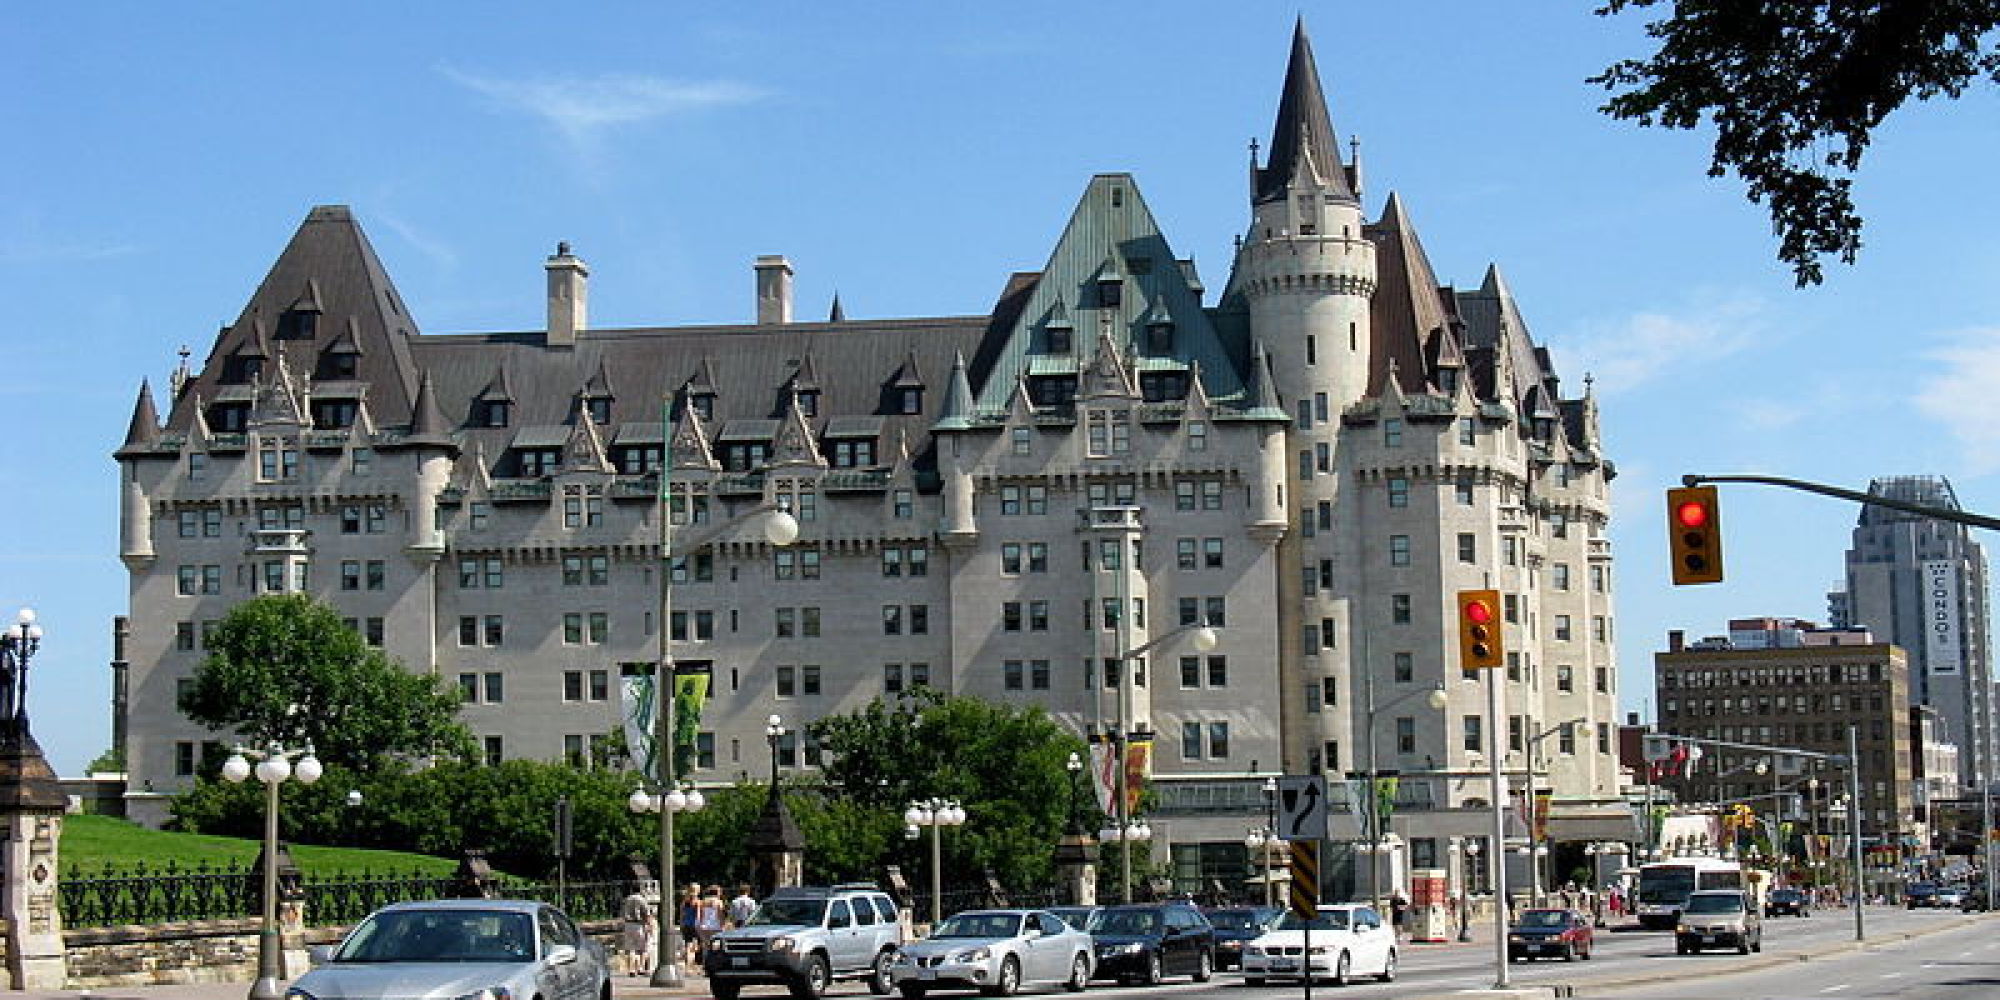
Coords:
739,962
1534,947
1284,965
1708,939
927,973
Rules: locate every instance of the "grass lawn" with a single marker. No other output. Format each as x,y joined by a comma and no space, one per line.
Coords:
89,843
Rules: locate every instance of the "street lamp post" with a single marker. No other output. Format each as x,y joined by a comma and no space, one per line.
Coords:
1536,851
1465,889
18,645
1075,768
274,768
1124,830
780,529
1260,838
1437,699
936,814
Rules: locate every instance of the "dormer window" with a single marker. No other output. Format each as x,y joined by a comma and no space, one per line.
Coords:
1110,291
229,418
808,400
852,453
533,462
1163,387
1159,338
1061,339
494,413
297,324
743,456
703,404
1447,380
910,400
1053,390
599,409
240,369
333,414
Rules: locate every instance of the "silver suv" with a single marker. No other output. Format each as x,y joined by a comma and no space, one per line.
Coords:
1719,918
807,938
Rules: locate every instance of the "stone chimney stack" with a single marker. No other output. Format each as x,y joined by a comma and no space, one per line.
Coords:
1676,640
569,296
774,290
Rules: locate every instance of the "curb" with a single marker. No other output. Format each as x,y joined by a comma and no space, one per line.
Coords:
1577,988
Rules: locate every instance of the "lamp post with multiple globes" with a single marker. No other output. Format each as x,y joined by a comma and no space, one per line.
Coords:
274,767
936,814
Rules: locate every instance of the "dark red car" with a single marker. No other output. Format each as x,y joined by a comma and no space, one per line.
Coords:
1550,933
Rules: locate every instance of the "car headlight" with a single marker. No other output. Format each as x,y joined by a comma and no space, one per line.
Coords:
1516,939
971,955
1126,948
1321,950
784,943
298,994
1683,929
1251,949
489,993
902,958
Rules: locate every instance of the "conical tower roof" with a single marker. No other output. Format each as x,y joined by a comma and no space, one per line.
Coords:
144,431
1304,129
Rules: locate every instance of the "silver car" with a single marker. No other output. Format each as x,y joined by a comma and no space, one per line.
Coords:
997,952
459,949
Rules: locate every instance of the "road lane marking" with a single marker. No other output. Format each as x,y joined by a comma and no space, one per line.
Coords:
1835,989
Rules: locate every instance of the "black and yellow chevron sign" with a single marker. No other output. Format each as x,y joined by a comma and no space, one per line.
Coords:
1305,878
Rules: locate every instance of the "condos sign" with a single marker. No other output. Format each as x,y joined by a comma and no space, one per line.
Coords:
1941,646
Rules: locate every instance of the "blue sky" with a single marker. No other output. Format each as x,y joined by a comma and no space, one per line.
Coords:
910,156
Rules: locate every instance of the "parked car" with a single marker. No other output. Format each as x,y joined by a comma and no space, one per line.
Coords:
1236,926
459,948
1148,942
997,952
1975,899
1920,894
1550,933
1346,941
1795,902
1078,917
1719,918
806,938
1950,897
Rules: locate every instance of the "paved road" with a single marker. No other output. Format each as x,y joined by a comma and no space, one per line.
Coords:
1922,955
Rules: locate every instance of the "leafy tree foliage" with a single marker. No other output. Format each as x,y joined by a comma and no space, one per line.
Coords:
1004,763
1795,89
285,668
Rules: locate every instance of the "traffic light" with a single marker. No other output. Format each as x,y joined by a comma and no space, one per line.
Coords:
1694,534
1479,636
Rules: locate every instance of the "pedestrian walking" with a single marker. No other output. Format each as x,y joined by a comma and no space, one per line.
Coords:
684,915
741,907
1399,912
708,919
638,938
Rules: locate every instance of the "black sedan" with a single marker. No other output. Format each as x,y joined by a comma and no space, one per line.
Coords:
1788,902
1235,925
1148,942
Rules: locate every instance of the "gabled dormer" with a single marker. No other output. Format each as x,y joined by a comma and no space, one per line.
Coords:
595,399
905,391
793,446
699,392
689,447
493,406
584,451
803,388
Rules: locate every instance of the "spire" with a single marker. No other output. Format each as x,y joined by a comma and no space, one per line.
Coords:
1304,130
836,314
1262,391
145,428
957,399
427,423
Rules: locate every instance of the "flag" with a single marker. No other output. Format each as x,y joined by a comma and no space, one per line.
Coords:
1385,800
691,684
1138,770
637,709
1104,766
1543,797
1103,774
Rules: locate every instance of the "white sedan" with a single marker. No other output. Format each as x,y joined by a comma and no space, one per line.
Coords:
997,952
1345,941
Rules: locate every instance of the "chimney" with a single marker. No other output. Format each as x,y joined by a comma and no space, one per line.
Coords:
1676,640
569,294
774,290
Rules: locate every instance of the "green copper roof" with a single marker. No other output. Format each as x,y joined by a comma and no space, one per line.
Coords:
1111,231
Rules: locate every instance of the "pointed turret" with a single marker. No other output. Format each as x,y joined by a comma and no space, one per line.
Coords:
957,413
144,431
1304,130
1262,392
836,314
427,421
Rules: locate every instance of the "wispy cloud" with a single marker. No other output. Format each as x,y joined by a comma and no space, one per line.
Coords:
580,108
64,253
441,253
1961,396
1632,350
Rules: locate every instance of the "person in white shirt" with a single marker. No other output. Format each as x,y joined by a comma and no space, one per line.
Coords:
741,907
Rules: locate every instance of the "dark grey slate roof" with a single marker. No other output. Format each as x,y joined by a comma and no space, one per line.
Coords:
1303,128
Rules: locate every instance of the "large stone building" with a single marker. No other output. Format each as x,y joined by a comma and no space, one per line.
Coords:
1921,584
1786,684
1313,461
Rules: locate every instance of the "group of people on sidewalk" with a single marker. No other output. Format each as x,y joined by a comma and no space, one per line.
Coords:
701,914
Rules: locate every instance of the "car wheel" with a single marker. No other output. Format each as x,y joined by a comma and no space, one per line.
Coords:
1587,952
1340,966
1079,973
1009,982
724,989
911,991
811,984
1253,980
1204,968
1743,945
879,982
1388,974
1155,969
1569,953
1680,948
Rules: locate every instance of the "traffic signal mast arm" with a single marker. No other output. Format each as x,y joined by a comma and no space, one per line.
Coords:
1704,742
1940,513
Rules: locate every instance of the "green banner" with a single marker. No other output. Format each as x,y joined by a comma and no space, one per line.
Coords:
1385,801
691,686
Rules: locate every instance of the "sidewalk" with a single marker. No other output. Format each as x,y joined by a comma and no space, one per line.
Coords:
632,987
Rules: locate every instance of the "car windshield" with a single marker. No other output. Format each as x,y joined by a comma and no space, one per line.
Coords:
419,935
1543,918
787,912
1328,920
979,925
1126,922
1234,920
1075,916
1786,894
1718,903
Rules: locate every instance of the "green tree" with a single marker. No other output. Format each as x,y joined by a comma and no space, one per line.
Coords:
1795,90
285,668
110,761
1004,763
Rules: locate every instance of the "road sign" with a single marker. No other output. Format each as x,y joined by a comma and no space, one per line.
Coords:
1302,807
1305,878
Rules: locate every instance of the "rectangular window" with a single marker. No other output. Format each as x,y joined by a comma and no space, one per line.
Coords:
495,748
1406,669
350,574
1038,616
197,470
468,630
1014,675
1564,678
1406,735
494,630
1038,675
1602,682
1218,740
892,619
1559,576
787,682
1190,741
1197,436
1399,609
1562,628
1010,559
1211,553
1399,550
378,573
572,685
1462,491
1399,492
1474,739
1468,547
1392,433
495,688
1010,616
1184,495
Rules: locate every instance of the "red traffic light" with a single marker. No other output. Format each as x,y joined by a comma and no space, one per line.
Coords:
1692,514
1478,612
